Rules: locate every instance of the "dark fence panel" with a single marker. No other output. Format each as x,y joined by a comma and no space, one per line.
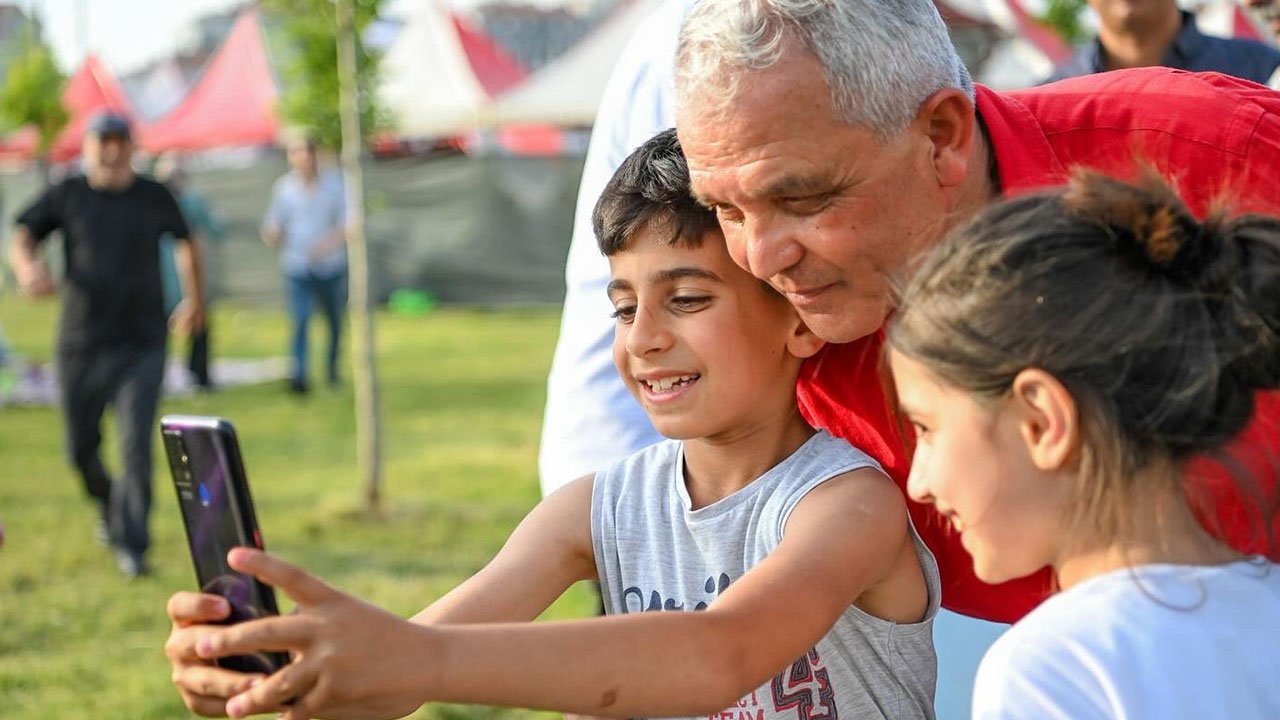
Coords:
476,231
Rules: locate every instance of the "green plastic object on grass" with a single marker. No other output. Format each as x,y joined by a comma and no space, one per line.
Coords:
412,303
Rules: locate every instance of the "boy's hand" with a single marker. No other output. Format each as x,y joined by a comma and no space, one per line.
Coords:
351,659
205,688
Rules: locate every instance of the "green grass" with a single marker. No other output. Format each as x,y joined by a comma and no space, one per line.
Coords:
462,398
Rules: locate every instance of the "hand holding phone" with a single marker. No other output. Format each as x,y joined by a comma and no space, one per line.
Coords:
217,512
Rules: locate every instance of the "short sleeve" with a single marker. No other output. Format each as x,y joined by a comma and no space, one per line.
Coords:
45,214
1037,675
169,214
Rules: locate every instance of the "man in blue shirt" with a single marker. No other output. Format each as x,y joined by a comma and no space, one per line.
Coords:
1140,33
306,221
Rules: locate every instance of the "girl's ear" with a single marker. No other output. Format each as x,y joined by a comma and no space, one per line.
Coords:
1047,419
802,342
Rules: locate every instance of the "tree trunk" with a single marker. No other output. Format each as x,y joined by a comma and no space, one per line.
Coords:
368,431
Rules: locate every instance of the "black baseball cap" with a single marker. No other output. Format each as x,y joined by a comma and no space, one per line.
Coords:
110,124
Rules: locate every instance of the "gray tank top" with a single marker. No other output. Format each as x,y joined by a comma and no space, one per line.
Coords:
654,553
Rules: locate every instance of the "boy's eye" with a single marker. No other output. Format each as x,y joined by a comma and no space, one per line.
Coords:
689,303
624,313
921,430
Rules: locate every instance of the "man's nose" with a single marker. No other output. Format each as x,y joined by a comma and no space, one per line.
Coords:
769,247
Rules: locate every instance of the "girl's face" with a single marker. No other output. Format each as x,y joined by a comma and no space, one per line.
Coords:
974,464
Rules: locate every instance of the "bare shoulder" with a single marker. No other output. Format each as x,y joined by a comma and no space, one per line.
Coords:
865,500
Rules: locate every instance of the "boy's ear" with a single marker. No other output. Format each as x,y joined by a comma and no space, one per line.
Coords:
803,343
1047,419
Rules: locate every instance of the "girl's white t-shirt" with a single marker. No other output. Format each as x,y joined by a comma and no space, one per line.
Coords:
1162,642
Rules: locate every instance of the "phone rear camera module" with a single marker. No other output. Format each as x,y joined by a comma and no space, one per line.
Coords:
205,496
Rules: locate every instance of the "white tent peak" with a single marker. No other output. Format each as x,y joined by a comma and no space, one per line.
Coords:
567,91
427,84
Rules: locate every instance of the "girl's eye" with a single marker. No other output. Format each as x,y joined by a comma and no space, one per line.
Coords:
624,314
921,430
689,303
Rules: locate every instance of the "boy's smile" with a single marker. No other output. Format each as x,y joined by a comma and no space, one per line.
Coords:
701,344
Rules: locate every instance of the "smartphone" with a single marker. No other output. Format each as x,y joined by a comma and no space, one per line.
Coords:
217,511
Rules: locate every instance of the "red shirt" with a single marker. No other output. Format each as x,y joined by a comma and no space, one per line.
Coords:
1212,135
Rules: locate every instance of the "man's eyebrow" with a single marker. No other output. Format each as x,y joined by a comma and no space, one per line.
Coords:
795,186
682,273
617,285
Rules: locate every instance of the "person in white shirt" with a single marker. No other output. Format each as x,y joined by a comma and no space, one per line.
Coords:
1064,423
590,420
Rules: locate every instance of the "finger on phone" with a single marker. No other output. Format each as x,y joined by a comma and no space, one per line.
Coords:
276,693
208,681
187,608
277,633
302,586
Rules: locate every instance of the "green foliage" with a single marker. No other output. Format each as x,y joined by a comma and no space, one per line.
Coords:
1064,17
32,94
307,47
463,399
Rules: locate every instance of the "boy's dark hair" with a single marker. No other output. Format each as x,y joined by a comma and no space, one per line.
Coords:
651,189
1161,326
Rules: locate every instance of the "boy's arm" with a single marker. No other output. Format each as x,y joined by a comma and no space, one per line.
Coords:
548,551
841,540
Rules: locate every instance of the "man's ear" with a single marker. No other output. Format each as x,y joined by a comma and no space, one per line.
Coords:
1048,420
802,342
948,120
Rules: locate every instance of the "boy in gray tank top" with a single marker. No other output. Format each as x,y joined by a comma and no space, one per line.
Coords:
786,579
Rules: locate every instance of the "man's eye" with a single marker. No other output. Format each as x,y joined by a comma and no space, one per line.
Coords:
728,214
624,314
808,205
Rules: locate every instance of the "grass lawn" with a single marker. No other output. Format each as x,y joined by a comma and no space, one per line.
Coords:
462,399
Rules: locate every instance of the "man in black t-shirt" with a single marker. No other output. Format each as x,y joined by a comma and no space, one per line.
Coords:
113,329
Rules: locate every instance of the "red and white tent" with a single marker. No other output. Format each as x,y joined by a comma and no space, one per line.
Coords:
93,88
567,91
233,103
440,75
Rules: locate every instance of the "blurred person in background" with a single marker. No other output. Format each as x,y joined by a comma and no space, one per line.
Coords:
1268,10
208,231
1142,33
306,221
113,329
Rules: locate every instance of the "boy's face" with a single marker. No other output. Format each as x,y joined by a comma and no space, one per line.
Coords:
704,346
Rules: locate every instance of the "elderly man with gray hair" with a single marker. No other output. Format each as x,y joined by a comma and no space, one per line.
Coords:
838,140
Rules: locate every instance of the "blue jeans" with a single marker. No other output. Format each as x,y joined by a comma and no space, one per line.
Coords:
331,294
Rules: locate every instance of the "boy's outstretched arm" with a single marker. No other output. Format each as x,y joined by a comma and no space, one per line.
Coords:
842,539
547,552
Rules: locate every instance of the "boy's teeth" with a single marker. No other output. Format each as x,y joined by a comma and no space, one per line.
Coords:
665,384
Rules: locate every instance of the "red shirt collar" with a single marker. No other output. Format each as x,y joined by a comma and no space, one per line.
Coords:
1024,159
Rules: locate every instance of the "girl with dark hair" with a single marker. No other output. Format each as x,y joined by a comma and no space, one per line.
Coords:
1062,358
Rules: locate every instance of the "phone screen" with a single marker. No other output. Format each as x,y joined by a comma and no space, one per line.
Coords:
213,510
